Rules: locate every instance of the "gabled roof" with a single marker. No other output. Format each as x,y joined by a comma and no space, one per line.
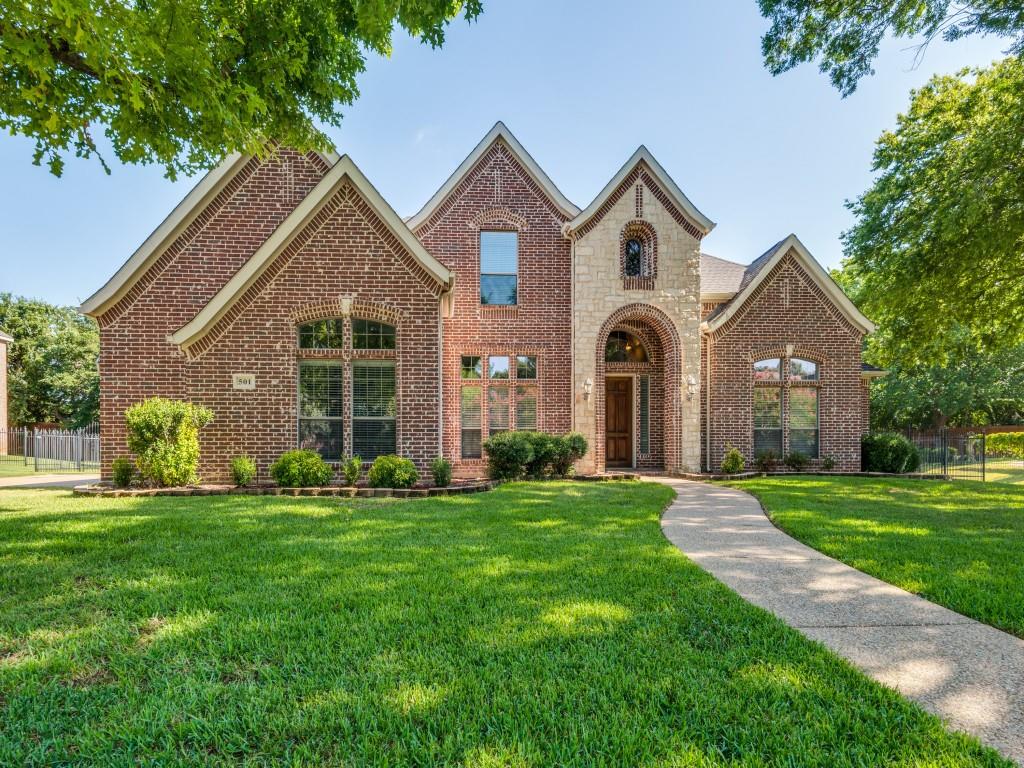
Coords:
642,156
343,170
184,213
763,265
720,278
498,133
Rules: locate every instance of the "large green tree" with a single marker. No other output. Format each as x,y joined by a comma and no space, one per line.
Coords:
843,36
52,363
183,82
939,237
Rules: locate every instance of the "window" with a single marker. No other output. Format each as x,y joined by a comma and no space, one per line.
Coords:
768,419
526,407
497,409
768,370
322,334
526,367
802,370
320,408
645,415
499,268
369,334
497,367
471,421
373,408
803,420
633,258
623,347
471,368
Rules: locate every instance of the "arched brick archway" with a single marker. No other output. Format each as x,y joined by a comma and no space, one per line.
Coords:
648,323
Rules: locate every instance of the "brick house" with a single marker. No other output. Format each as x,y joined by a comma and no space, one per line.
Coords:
289,297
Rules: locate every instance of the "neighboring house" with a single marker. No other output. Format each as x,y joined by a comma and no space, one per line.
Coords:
5,342
289,297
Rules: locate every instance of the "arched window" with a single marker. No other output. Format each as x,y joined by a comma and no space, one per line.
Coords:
638,254
322,334
370,334
633,258
768,406
624,347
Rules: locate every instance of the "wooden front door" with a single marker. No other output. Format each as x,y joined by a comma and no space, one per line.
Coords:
618,422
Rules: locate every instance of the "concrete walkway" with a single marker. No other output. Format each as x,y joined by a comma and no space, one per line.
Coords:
43,480
967,673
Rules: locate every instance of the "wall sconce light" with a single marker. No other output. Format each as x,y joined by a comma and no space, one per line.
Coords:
588,388
691,387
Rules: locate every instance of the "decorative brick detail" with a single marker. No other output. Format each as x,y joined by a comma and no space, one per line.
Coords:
640,230
499,219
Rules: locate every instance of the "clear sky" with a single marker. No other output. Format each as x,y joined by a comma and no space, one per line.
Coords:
581,84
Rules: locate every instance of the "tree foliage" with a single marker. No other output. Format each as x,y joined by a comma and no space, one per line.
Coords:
52,364
183,82
939,237
844,36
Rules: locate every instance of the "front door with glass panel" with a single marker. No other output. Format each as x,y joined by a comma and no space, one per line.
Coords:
618,422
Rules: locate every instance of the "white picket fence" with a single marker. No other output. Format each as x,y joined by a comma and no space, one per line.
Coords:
50,450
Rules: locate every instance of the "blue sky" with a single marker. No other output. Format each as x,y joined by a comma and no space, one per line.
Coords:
581,84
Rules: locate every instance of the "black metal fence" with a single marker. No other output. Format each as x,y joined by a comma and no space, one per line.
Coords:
953,454
50,450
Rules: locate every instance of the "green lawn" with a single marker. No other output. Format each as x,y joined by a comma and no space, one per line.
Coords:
11,466
538,625
958,544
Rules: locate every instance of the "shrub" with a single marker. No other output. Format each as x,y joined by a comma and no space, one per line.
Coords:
765,460
508,455
828,463
122,470
1005,444
733,461
300,469
164,436
441,470
797,460
392,472
544,448
352,469
570,448
889,452
243,470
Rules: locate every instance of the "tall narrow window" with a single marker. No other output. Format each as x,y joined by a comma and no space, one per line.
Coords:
645,415
373,408
499,268
526,407
497,408
471,420
768,419
803,420
633,258
320,408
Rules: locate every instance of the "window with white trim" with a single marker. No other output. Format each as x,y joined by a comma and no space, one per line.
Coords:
499,268
373,408
321,408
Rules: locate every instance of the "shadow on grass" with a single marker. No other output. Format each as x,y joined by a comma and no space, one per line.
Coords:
535,625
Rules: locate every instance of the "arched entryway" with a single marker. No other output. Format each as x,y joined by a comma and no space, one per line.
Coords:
638,364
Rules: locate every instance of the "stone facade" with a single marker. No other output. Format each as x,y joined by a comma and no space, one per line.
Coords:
667,304
340,252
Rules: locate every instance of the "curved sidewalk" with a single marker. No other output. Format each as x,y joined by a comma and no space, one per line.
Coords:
967,673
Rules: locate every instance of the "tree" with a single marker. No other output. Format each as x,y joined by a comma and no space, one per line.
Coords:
184,82
844,36
52,364
939,237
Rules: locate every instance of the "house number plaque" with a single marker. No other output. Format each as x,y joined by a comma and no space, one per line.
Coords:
243,381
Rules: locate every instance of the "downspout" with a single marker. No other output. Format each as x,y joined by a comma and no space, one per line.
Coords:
707,402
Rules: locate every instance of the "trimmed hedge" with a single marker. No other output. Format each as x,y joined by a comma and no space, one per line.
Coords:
300,469
243,470
1008,445
392,472
888,452
537,455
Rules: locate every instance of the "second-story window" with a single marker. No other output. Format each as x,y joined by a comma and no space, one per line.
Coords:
499,268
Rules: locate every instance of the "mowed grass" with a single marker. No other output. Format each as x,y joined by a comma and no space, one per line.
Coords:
958,544
538,625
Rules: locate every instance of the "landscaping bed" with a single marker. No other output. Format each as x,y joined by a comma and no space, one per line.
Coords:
108,491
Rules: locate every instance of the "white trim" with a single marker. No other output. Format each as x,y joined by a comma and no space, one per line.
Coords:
813,268
873,374
184,213
643,155
498,133
716,297
249,272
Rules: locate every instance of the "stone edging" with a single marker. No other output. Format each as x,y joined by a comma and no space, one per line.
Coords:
705,476
107,492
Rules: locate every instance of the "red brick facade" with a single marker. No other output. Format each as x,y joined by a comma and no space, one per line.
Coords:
347,262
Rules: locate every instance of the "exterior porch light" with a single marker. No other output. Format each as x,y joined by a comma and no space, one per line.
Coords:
691,387
588,388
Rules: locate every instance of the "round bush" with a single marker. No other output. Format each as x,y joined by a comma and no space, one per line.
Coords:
300,469
243,470
508,455
164,436
765,460
733,461
441,471
568,449
392,472
122,470
889,452
797,460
